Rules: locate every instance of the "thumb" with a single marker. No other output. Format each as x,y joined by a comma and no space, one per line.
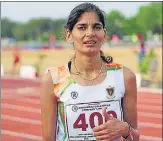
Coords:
105,114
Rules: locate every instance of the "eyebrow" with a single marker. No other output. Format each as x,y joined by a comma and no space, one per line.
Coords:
84,24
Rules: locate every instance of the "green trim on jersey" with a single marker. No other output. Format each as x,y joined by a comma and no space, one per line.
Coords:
108,69
61,114
69,83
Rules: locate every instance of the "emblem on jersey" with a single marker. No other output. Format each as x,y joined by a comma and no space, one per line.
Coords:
74,95
110,91
74,108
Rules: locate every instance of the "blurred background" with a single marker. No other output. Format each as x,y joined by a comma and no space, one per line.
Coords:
32,40
37,29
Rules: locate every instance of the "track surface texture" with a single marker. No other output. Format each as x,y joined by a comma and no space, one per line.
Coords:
21,119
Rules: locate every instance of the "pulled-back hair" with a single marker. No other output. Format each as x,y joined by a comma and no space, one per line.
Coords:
77,12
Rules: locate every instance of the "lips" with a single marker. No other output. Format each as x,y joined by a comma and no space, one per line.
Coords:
90,42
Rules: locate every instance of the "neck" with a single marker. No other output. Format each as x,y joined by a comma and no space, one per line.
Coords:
87,64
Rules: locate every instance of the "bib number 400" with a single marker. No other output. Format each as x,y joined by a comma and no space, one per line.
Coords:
81,120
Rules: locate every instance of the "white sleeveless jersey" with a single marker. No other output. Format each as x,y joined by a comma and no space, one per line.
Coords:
79,107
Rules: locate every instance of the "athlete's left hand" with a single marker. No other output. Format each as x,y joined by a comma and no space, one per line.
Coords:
112,129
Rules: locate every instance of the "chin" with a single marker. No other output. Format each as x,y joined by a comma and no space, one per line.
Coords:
92,51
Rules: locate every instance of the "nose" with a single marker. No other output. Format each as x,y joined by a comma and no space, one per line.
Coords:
90,32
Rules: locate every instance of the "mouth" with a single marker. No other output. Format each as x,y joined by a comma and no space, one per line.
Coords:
90,43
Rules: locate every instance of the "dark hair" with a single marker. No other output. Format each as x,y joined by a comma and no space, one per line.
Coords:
77,12
107,59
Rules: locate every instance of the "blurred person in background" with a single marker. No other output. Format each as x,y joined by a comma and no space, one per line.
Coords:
149,65
89,98
141,52
153,67
38,64
16,52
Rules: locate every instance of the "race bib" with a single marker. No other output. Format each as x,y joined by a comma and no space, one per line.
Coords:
81,118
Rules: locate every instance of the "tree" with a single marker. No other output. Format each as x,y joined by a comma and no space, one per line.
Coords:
6,27
58,28
149,16
114,23
130,26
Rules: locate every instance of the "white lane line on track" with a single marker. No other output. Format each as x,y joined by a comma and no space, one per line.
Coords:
38,122
147,124
37,110
147,114
150,90
37,101
37,81
39,138
34,92
150,138
150,107
149,98
20,108
20,119
150,101
21,99
21,135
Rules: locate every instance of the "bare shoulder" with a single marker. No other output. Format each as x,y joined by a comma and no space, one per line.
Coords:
46,79
129,75
129,81
46,84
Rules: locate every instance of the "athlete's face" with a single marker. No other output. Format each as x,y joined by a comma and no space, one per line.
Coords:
88,34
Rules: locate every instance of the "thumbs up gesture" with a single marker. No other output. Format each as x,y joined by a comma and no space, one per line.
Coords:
112,129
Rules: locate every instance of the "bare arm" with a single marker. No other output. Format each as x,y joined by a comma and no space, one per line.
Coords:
48,109
114,128
130,103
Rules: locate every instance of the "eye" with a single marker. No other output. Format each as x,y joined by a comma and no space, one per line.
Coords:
98,27
81,28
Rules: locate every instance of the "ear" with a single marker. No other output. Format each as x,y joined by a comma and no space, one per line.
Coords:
68,36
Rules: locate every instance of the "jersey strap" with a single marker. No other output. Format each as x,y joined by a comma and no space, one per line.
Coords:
113,66
61,80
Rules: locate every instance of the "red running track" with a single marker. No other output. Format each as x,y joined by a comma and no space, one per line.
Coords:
21,121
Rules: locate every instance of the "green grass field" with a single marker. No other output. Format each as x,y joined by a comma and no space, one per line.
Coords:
125,56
